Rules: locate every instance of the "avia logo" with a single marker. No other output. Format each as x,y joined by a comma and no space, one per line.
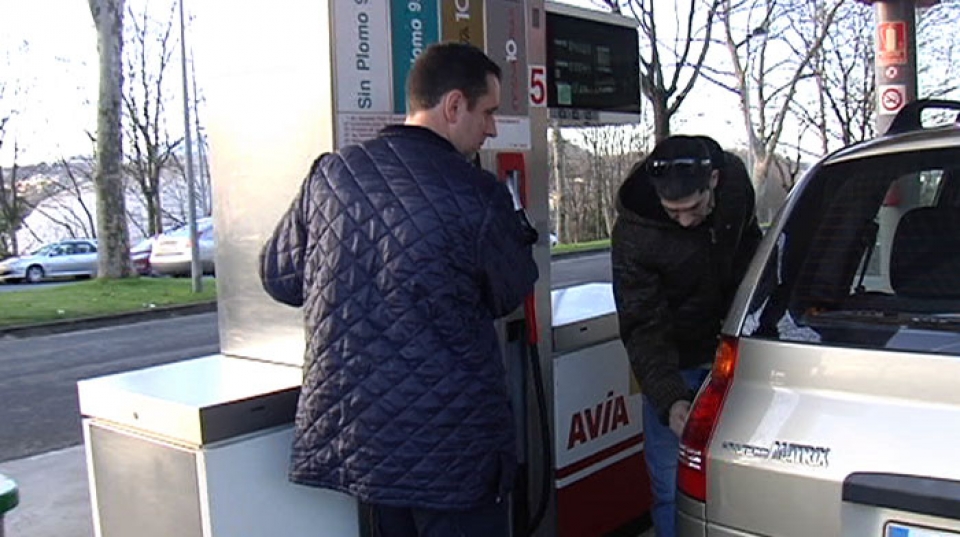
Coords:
591,423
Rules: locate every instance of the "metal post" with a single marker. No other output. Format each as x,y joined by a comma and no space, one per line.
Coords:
895,63
196,271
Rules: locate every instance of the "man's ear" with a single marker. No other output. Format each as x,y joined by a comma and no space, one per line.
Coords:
714,179
453,102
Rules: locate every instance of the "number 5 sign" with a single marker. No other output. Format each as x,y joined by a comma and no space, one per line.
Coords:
538,85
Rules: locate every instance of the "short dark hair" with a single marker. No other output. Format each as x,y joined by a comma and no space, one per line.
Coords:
444,67
717,157
679,166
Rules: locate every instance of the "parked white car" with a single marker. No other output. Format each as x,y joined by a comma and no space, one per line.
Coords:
171,250
70,258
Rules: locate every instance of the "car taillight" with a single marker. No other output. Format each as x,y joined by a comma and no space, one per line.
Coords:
692,465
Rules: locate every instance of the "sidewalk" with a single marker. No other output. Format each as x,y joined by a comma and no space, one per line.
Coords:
54,499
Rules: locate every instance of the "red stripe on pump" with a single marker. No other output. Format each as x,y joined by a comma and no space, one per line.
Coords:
599,456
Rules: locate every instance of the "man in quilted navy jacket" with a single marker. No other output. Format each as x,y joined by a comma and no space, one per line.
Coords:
402,254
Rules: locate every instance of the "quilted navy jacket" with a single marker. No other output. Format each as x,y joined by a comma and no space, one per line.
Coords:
402,254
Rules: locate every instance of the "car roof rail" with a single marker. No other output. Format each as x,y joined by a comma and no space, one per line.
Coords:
909,117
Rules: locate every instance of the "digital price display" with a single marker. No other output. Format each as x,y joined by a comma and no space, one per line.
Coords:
592,65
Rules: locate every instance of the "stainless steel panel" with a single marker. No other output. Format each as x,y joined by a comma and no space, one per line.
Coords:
196,401
143,488
583,315
694,508
716,530
688,526
269,114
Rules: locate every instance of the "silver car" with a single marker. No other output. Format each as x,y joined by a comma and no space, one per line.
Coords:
67,258
171,254
833,408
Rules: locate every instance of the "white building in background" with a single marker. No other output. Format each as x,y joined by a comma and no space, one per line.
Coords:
73,214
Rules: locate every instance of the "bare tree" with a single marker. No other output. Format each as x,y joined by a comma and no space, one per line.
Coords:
769,63
674,46
60,198
204,185
13,204
613,150
113,242
77,182
842,108
149,53
939,50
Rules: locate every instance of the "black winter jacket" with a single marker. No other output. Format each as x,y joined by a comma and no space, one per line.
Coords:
673,285
402,254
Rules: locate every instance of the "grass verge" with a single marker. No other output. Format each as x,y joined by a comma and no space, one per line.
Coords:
580,247
98,297
31,305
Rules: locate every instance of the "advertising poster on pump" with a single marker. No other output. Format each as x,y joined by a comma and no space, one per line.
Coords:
416,25
363,55
507,46
463,22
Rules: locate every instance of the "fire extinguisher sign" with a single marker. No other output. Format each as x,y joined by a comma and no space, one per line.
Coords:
892,43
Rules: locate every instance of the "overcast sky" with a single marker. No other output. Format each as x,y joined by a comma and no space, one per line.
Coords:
48,54
49,46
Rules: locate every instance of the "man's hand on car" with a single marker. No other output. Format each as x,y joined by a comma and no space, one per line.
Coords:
678,416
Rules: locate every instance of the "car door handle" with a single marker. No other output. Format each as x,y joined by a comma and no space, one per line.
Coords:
923,495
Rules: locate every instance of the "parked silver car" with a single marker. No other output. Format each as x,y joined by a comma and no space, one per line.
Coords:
833,408
65,259
171,251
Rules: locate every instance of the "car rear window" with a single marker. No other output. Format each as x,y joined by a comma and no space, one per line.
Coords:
869,256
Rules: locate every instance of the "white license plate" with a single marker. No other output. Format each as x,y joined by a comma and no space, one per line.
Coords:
906,530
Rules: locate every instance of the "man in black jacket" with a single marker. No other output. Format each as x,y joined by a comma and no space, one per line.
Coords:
402,253
684,235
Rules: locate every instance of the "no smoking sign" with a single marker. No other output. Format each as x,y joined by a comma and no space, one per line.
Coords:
892,98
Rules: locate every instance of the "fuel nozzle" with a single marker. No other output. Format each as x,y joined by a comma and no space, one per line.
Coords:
530,234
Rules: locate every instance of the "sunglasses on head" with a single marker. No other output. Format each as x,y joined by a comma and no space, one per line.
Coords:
691,167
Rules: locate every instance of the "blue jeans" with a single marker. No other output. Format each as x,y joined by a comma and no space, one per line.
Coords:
660,451
491,520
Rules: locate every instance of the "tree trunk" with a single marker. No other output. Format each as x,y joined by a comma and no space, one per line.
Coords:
154,225
561,219
661,118
112,236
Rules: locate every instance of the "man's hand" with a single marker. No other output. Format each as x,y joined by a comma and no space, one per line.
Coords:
530,235
678,416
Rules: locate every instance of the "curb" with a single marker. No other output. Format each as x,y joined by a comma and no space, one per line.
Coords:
581,253
86,323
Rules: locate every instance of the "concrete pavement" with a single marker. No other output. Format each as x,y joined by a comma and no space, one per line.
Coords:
54,498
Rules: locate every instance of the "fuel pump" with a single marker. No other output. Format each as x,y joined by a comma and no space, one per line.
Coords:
524,334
